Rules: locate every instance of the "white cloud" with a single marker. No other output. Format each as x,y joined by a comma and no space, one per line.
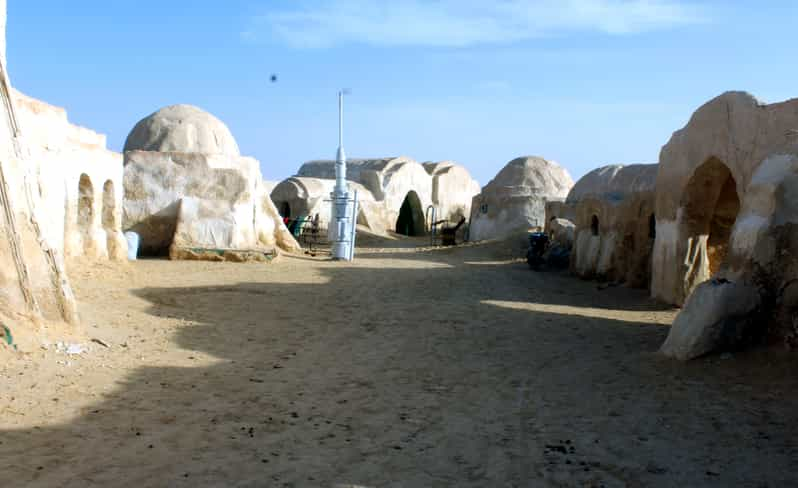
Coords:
459,23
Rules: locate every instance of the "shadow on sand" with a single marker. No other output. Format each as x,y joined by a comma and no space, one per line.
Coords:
419,379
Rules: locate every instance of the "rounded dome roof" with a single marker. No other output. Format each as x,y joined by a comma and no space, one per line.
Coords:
182,128
532,175
615,182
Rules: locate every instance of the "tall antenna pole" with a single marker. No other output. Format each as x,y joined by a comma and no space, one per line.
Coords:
343,216
340,162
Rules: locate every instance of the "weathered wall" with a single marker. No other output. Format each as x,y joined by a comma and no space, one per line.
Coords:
235,214
80,181
33,283
182,128
755,296
613,208
453,190
727,137
388,182
516,198
308,197
558,209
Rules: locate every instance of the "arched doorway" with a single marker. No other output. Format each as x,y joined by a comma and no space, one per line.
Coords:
711,205
594,225
285,210
85,208
109,216
411,216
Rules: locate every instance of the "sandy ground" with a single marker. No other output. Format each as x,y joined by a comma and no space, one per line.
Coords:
447,368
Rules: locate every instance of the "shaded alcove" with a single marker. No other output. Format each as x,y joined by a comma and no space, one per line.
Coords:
85,214
652,227
157,231
711,205
594,225
285,210
411,216
109,215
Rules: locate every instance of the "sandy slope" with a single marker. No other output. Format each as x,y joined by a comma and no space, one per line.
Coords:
405,369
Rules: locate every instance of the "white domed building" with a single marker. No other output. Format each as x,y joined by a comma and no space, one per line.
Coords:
190,194
516,198
394,194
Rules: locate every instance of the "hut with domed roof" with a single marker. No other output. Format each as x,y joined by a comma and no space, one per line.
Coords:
190,194
515,200
613,212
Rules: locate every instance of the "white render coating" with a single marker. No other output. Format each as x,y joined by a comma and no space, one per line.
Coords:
736,133
89,224
182,128
759,269
32,271
615,182
383,185
453,189
516,198
186,202
60,193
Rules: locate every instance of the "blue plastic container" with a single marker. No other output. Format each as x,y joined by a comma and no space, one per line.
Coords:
132,245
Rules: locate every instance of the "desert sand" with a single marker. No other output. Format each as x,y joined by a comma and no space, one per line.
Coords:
410,367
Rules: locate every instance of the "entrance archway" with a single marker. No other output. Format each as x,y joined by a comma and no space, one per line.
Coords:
411,216
711,205
594,225
285,210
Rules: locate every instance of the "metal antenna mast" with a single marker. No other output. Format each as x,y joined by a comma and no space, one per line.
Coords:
344,209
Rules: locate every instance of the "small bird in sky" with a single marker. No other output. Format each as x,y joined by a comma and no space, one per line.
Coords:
274,78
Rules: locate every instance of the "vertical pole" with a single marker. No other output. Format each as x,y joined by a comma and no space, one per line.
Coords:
343,208
340,161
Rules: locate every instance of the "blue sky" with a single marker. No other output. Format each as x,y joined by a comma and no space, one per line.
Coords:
581,82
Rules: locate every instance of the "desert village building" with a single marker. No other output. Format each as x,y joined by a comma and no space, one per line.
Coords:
726,210
612,209
710,227
190,194
516,198
61,193
394,193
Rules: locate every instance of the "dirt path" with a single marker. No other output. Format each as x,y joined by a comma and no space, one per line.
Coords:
405,369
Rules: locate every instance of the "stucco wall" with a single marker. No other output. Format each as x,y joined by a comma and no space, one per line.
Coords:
62,154
612,208
32,273
387,182
739,132
453,189
236,211
516,198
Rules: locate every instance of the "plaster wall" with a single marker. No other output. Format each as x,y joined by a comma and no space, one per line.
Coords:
738,131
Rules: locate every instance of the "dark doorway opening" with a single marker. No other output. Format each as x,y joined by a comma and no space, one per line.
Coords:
411,217
652,227
711,208
285,210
